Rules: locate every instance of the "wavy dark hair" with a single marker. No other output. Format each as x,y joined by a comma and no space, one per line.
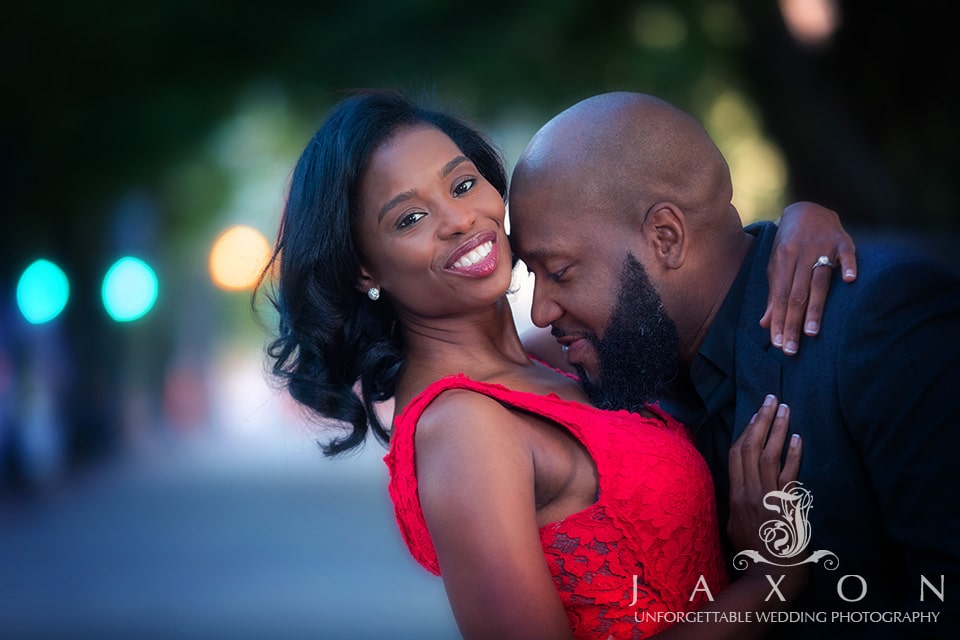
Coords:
336,351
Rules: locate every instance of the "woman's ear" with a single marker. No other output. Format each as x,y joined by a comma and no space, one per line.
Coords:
365,281
664,232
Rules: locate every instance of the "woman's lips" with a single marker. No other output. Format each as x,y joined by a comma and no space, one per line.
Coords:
477,257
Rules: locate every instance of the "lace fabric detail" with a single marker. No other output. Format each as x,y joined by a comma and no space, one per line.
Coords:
654,524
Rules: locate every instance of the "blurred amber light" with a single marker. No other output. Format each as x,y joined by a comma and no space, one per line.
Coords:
811,22
237,257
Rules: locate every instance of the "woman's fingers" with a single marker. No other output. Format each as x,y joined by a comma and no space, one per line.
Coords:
791,465
797,306
755,469
756,456
735,454
847,261
770,457
781,272
798,292
819,288
746,451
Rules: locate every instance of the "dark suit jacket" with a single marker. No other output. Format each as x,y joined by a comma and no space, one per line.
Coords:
876,398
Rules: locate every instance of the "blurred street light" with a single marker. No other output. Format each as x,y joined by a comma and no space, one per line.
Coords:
129,289
42,292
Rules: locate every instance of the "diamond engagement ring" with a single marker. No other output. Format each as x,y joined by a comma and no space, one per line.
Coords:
823,261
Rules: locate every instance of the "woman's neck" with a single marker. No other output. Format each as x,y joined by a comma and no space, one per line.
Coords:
481,345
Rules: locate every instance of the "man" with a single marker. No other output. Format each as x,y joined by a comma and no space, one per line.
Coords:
621,207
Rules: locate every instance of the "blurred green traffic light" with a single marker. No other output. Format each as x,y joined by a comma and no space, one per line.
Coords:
129,289
42,292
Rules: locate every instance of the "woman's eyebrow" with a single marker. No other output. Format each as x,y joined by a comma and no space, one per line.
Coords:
450,166
394,201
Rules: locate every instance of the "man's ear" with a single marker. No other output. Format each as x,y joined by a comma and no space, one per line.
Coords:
664,231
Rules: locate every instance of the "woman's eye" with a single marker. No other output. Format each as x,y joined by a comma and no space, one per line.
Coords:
463,187
408,219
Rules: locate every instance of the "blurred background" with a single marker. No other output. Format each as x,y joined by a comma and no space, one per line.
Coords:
153,481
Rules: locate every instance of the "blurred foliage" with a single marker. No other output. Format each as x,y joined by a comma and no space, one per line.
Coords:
116,118
102,95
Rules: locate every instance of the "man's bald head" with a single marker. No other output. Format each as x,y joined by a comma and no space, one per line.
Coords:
622,153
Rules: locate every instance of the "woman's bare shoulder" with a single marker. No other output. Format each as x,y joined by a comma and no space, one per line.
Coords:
461,417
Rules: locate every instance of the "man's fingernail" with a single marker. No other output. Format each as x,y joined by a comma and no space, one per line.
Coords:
812,328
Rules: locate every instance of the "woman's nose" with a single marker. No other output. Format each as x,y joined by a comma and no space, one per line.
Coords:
456,220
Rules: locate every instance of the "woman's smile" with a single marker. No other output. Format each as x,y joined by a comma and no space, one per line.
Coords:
478,257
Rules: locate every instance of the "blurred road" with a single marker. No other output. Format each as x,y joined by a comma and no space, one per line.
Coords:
220,535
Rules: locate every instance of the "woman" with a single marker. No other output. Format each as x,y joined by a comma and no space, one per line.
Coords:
393,269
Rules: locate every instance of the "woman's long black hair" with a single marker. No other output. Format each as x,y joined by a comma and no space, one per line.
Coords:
337,351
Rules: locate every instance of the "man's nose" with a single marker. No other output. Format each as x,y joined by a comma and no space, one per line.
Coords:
544,310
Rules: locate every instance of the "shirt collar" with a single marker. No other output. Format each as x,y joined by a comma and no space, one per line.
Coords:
719,345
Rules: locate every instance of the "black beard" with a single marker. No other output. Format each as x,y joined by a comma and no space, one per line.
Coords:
639,352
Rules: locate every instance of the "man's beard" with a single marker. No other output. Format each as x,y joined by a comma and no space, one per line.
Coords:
639,353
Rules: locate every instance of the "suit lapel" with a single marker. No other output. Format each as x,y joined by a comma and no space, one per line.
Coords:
757,370
757,375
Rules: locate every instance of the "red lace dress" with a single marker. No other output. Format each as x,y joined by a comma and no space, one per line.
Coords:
654,518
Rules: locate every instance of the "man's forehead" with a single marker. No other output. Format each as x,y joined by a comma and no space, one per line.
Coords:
533,246
544,220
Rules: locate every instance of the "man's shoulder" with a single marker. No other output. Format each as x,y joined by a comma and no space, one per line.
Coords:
888,254
899,292
894,271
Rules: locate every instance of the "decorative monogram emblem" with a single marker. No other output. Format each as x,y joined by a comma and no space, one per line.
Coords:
787,537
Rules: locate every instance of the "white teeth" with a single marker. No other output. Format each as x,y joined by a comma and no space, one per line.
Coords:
474,256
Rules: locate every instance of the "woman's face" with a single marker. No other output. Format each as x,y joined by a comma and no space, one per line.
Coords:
431,227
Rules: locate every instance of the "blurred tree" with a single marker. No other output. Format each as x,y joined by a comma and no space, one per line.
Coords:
109,97
868,119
